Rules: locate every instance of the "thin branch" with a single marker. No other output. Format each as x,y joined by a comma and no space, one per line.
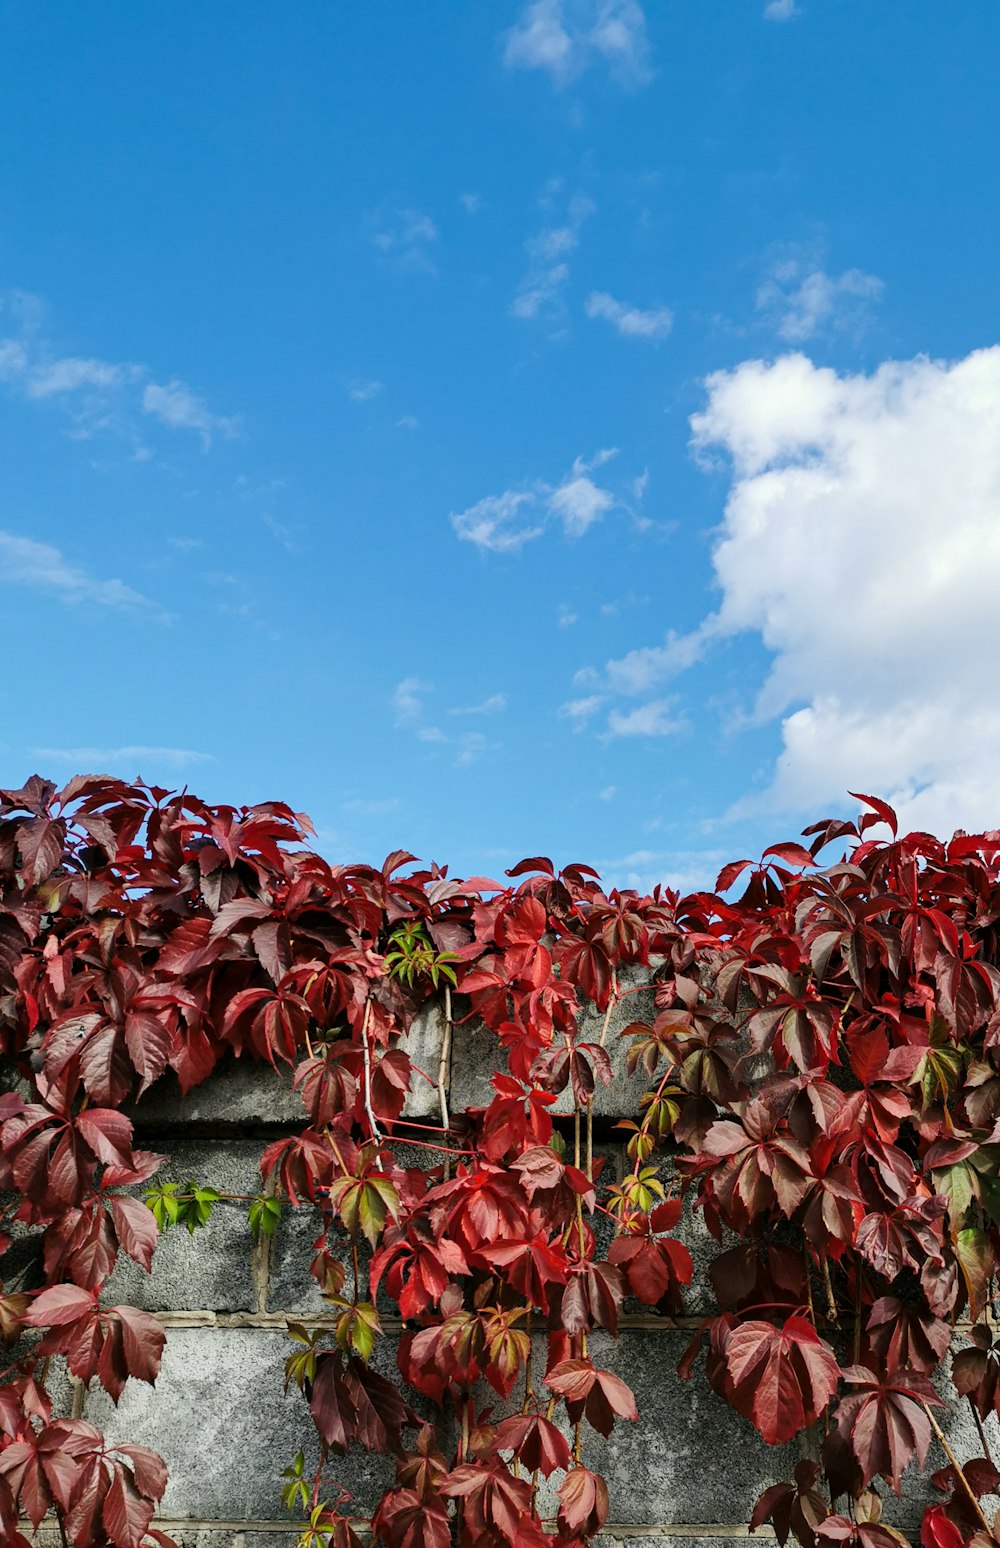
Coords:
957,1467
979,1426
376,1132
443,1069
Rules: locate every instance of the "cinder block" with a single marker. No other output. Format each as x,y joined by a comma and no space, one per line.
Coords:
688,1458
238,1094
209,1270
225,1428
242,1094
477,1055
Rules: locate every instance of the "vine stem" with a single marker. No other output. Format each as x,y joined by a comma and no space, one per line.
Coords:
376,1132
956,1465
982,1433
443,1064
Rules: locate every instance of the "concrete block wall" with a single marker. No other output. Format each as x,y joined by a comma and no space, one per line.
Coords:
688,1473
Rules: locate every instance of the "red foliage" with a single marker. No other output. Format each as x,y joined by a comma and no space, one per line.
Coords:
824,1066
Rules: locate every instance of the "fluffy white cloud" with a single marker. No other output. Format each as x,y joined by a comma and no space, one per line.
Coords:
632,322
802,300
504,523
567,37
779,10
861,542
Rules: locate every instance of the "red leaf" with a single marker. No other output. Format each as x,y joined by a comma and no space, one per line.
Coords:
60,1306
135,1226
126,1514
782,1378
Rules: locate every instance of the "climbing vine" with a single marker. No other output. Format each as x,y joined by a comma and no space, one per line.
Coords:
823,1075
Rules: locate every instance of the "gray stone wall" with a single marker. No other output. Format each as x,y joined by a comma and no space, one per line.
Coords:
688,1472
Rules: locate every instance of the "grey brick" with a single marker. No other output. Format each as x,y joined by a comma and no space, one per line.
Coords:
477,1055
209,1270
225,1428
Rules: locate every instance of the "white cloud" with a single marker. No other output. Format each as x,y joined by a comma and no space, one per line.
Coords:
471,746
175,405
408,700
567,37
643,669
71,374
643,869
472,203
632,322
861,543
579,502
540,293
579,712
504,523
363,388
609,792
496,523
408,422
801,299
406,238
491,706
565,617
780,10
42,567
657,718
358,807
100,395
112,757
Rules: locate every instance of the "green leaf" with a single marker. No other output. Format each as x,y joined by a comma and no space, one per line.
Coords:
197,1204
978,1263
165,1205
264,1214
357,1328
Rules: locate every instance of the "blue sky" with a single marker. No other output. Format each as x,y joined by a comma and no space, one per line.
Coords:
568,426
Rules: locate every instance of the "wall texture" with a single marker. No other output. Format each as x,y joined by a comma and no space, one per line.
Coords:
688,1472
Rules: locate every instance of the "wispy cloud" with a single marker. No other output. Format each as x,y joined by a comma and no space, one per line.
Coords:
580,712
408,422
801,299
116,757
408,701
565,38
70,374
632,322
506,522
491,706
363,388
406,239
358,807
175,405
472,203
780,10
657,718
100,395
43,567
540,293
